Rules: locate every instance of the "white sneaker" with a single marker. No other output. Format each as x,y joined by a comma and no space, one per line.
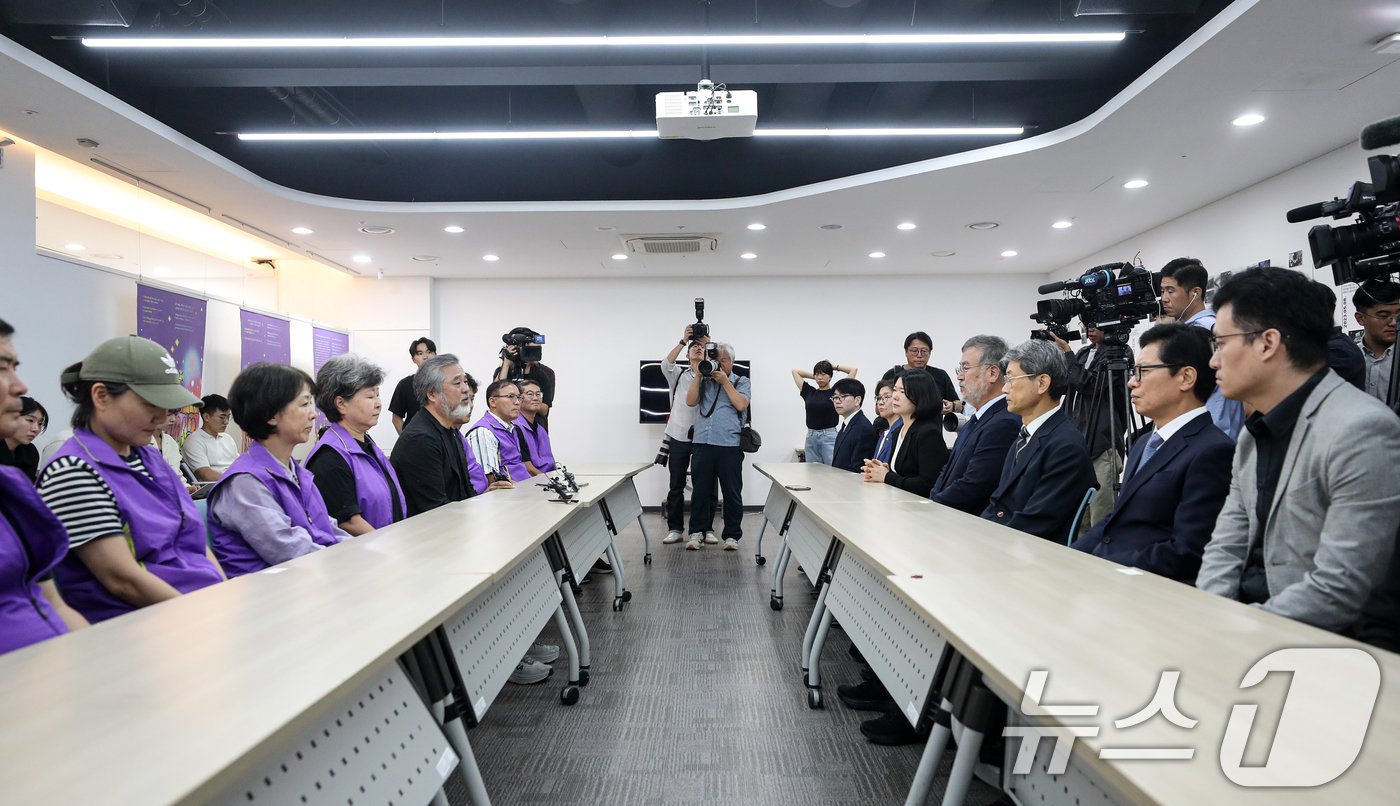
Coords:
530,671
710,539
544,653
693,544
730,544
671,537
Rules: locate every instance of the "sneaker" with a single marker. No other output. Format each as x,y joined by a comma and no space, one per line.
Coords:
530,671
544,653
710,539
730,544
601,566
693,544
671,537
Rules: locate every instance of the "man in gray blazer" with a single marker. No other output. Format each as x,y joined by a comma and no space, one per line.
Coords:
1309,525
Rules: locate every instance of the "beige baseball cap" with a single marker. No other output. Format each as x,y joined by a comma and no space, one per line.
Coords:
142,365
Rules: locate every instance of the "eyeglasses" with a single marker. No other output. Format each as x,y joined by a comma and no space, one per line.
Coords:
963,369
1383,316
883,398
507,397
1010,378
1215,338
840,398
1141,368
533,394
917,351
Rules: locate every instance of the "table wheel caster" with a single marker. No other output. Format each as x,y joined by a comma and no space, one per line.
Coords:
569,696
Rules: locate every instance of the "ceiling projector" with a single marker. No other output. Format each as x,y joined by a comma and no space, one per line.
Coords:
710,112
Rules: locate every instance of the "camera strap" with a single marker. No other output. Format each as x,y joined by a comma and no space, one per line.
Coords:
714,404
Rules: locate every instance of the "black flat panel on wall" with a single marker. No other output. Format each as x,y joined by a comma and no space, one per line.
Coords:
654,393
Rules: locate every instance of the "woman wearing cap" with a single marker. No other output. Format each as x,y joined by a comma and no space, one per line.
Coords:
266,508
354,476
135,537
32,540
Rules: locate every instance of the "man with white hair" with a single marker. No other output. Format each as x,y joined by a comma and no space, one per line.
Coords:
721,398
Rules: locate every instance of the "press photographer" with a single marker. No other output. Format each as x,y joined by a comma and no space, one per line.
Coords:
721,399
520,360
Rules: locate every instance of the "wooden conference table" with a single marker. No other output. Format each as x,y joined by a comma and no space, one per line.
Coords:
907,577
288,683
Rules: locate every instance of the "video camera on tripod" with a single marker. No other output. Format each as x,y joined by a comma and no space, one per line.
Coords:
1370,247
1113,297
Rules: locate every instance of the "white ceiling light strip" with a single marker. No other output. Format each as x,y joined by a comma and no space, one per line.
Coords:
719,40
323,137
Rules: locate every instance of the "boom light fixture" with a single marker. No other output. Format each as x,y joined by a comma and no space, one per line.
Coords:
610,134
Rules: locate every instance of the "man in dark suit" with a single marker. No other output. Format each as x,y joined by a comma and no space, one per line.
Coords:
974,469
1177,476
855,436
1047,470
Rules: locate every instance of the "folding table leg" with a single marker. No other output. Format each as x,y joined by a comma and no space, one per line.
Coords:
929,761
775,597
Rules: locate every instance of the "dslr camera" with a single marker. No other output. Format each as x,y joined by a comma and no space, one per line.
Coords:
699,330
1370,247
710,363
1113,297
529,343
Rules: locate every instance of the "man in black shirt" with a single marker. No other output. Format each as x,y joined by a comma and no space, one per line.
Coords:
1094,394
430,457
403,405
513,369
918,346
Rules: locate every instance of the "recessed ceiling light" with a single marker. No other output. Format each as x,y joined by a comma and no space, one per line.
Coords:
1134,184
1251,119
830,226
106,256
983,225
748,256
425,258
361,258
301,230
1010,253
376,229
619,256
1062,224
454,229
74,247
944,253
906,226
605,228
490,258
877,254
757,227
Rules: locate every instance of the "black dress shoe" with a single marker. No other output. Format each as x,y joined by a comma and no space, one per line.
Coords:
891,730
868,696
600,567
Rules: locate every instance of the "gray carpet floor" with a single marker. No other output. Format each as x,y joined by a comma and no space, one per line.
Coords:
695,697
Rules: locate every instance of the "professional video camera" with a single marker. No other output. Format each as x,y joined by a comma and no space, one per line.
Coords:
699,330
1053,316
710,363
1113,297
529,343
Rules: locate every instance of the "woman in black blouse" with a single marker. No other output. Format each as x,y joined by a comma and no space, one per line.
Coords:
821,414
919,452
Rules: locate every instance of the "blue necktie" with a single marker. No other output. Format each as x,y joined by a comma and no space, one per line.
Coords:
964,437
1153,443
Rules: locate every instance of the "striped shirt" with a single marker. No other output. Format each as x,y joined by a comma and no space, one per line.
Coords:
488,449
82,500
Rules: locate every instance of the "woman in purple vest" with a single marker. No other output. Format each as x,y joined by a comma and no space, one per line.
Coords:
359,486
540,458
266,509
32,541
135,537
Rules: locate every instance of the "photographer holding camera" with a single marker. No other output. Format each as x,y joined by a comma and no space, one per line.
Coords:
520,360
721,398
677,445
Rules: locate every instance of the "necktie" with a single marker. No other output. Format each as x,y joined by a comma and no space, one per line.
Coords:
841,430
1153,443
1021,443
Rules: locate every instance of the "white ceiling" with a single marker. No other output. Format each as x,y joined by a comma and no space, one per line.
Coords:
1308,66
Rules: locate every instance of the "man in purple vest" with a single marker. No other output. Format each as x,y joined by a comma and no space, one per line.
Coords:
539,453
266,509
495,439
32,540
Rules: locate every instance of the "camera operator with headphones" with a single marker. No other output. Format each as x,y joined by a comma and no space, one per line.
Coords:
520,360
1184,283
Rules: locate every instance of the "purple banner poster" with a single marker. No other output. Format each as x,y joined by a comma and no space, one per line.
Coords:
176,322
265,338
325,345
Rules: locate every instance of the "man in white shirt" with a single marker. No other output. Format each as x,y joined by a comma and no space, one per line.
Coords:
209,451
678,425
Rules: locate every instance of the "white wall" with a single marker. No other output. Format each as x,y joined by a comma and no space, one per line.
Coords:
599,330
1245,228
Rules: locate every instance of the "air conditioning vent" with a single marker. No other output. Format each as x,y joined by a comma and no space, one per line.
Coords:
670,244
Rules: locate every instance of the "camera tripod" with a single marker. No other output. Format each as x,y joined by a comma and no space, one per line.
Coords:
1108,392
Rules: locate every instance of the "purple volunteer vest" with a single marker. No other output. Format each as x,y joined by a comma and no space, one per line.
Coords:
537,438
300,500
162,527
26,617
371,489
474,469
510,447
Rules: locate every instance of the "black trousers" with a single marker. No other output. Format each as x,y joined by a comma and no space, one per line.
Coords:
679,463
708,464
